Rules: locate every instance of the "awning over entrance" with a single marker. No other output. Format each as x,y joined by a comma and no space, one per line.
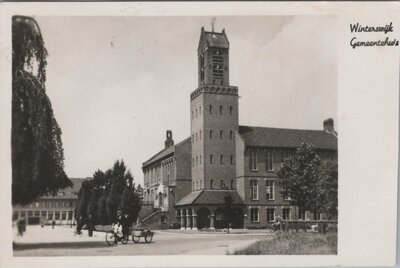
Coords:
210,197
209,209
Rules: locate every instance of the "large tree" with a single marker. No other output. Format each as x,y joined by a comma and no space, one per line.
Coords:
37,151
310,183
109,192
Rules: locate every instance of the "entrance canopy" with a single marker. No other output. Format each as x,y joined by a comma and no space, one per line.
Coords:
210,197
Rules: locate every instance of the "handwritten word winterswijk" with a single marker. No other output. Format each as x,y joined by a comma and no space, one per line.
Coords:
358,28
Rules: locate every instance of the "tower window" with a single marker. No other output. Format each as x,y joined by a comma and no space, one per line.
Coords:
192,162
230,110
196,113
222,184
231,134
200,159
232,186
232,159
211,134
200,110
196,136
200,135
197,161
270,161
253,161
221,134
211,159
211,184
220,109
192,138
201,68
192,114
221,159
211,109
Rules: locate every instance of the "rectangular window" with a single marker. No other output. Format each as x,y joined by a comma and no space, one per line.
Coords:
270,190
211,184
192,138
192,162
254,189
211,134
200,110
253,161
286,213
57,215
221,134
220,109
192,115
200,159
285,196
200,135
50,215
231,134
230,110
286,156
232,159
196,136
221,159
63,215
302,214
270,161
211,159
232,185
270,214
211,109
254,215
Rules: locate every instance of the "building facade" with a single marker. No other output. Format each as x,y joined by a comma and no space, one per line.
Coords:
224,160
60,208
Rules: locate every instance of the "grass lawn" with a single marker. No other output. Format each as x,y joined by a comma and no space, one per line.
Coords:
294,244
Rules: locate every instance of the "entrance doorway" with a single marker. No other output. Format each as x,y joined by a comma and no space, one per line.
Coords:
203,218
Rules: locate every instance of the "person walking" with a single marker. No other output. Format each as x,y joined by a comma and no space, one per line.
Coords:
90,226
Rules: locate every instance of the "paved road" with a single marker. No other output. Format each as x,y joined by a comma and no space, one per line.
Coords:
61,242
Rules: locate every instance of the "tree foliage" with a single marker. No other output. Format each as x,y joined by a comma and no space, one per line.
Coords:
37,151
309,182
105,194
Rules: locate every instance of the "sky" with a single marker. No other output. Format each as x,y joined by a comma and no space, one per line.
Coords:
116,84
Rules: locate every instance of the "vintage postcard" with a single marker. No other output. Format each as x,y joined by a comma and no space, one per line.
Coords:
212,134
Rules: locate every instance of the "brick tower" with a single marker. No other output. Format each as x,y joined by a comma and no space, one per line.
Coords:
214,116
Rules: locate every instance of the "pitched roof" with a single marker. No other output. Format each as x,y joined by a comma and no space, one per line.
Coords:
69,192
209,197
164,153
286,138
214,39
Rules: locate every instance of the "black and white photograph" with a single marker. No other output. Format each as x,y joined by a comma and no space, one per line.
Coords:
187,135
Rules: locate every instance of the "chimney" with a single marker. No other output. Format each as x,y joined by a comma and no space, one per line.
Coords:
329,126
169,141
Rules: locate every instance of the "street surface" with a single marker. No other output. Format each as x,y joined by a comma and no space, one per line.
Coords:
61,241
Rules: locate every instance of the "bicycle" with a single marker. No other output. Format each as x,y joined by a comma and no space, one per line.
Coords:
112,238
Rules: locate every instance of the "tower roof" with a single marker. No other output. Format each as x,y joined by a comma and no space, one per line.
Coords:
214,39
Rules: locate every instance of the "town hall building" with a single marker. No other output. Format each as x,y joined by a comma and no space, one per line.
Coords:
188,183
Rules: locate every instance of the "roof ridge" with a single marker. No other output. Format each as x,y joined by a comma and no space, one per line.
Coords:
301,129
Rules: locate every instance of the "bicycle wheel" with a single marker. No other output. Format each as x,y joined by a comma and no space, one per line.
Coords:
124,239
110,238
135,239
148,237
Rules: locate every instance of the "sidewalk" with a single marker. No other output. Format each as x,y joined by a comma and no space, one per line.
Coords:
223,231
60,234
